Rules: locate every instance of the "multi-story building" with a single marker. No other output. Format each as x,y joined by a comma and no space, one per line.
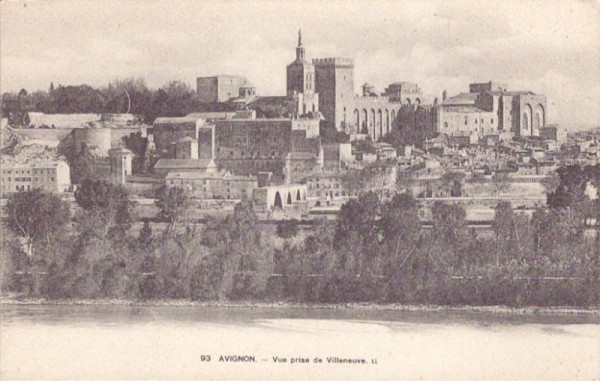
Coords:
50,176
247,147
210,185
488,108
221,88
327,189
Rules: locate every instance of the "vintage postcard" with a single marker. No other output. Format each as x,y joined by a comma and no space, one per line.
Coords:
300,190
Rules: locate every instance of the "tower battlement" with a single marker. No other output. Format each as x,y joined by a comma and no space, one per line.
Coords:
334,61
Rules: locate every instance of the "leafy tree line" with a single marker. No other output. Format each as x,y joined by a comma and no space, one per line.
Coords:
376,250
131,95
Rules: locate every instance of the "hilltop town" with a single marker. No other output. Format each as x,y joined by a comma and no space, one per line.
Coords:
306,153
318,195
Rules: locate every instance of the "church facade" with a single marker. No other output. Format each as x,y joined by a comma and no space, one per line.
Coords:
489,108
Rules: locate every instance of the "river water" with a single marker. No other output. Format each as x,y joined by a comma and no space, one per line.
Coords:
160,343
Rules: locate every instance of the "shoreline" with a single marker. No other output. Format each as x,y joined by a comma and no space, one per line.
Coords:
366,306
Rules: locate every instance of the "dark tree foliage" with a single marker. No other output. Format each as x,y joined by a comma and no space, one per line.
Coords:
287,229
81,164
400,232
573,183
172,202
400,137
376,251
131,94
329,134
139,147
448,222
75,99
359,217
505,230
239,249
109,199
35,215
145,237
127,95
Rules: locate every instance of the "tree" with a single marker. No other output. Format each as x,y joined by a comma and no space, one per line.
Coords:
139,147
449,231
145,237
173,203
400,229
448,221
505,230
571,189
356,235
415,136
329,134
500,183
452,182
107,203
75,99
128,95
287,229
36,216
241,262
174,99
81,163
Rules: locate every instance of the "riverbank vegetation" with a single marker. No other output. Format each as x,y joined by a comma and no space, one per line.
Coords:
376,251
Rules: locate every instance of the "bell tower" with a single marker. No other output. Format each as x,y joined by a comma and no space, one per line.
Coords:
300,73
300,48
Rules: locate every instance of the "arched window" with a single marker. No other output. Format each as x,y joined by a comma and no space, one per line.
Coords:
278,203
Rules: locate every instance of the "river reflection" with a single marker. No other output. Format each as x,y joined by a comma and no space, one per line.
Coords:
166,342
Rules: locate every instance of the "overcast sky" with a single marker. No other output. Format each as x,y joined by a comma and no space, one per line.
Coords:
549,47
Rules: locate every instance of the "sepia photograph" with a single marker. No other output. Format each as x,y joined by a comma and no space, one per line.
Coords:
300,190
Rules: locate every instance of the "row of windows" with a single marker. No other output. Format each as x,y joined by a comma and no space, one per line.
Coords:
336,194
243,184
466,120
318,186
316,180
22,179
27,171
22,188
